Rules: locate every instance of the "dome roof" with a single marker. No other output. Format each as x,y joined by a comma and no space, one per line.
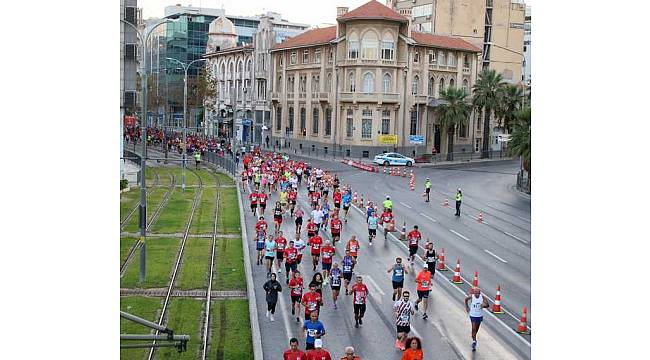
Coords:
222,25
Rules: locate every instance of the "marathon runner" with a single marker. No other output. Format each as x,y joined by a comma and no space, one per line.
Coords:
277,216
318,353
293,353
347,198
430,257
423,281
315,196
354,246
388,203
360,294
291,262
269,254
296,285
413,238
312,301
299,215
325,210
315,242
272,287
372,227
327,252
337,197
312,228
299,245
284,198
387,221
317,282
474,304
253,199
260,228
313,328
293,196
347,264
335,282
335,227
403,310
398,271
281,242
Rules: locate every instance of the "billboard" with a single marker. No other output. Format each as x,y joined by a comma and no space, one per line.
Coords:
389,139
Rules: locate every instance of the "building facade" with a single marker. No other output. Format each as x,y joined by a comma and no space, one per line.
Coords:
495,26
349,88
128,56
527,48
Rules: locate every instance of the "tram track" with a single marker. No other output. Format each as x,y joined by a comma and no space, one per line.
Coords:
153,186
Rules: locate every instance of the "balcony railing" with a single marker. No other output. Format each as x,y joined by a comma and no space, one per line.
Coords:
347,95
323,96
275,96
390,97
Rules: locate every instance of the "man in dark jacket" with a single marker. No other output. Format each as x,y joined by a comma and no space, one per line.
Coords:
272,288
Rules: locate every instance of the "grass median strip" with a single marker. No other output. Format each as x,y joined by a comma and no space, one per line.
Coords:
231,330
207,177
154,197
190,178
128,200
203,221
185,319
175,215
144,307
196,264
224,179
126,243
161,254
229,265
228,221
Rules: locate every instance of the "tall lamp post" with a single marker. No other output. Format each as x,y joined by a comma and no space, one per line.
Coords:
185,69
143,190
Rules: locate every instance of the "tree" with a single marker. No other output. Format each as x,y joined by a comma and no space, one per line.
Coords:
453,112
520,139
510,100
486,97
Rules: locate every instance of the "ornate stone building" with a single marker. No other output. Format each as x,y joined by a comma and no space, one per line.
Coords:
341,88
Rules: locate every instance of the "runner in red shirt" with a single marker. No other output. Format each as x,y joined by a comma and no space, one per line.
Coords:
327,251
336,226
318,353
253,199
387,221
261,225
354,246
311,228
293,196
336,197
312,301
315,242
413,238
296,285
281,242
360,293
314,199
261,198
291,259
294,353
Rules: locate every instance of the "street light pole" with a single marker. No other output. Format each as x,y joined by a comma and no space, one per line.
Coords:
185,69
143,162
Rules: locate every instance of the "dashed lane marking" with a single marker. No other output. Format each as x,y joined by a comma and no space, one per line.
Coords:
462,236
493,254
406,205
515,237
428,217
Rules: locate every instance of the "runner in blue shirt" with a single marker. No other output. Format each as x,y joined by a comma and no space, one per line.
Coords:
372,227
397,277
335,277
346,204
314,329
269,254
346,268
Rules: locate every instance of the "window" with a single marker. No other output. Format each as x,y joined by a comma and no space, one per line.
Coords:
130,15
303,121
465,86
466,61
451,59
328,84
278,118
352,84
477,145
292,58
416,57
314,121
441,58
368,83
303,84
305,56
426,27
430,87
330,56
387,50
315,83
248,64
366,124
278,86
479,119
317,56
422,10
281,61
441,86
129,99
432,57
416,85
291,119
385,122
369,46
452,83
328,122
353,49
414,123
348,124
129,51
386,83
462,130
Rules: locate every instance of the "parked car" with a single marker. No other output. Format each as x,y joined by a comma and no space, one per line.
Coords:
392,158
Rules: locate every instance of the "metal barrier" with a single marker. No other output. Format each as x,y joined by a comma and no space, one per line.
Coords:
224,162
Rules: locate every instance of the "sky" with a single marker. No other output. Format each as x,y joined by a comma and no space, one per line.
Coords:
316,12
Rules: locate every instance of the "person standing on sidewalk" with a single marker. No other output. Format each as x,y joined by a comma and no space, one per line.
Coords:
474,305
427,189
272,288
459,199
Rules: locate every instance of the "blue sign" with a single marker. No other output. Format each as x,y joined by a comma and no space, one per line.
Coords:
416,139
247,122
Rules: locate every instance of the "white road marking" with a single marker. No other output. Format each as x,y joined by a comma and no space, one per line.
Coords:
406,205
372,281
428,217
283,308
493,254
459,235
513,236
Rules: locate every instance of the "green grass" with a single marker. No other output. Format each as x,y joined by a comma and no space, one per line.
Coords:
203,221
229,265
190,178
231,331
207,177
144,307
161,254
126,243
185,319
224,179
128,201
175,215
228,221
154,197
196,264
151,175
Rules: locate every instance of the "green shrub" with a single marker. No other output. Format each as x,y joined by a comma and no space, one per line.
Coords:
124,183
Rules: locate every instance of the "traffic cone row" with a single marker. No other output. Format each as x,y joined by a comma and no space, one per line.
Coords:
479,218
441,261
456,279
496,307
412,181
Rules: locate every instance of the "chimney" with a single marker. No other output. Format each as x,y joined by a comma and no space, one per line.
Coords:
341,10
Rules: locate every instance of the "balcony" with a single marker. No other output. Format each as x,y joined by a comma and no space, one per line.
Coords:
291,96
275,96
389,98
323,96
347,96
260,74
420,99
466,70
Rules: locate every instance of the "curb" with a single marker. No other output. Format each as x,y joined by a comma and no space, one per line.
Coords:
252,301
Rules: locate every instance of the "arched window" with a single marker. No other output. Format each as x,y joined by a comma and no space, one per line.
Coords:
387,83
416,85
328,84
231,71
351,82
368,83
240,69
248,65
369,46
430,87
451,83
387,47
353,46
441,58
278,86
441,86
465,86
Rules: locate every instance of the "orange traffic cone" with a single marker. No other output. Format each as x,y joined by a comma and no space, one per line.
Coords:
496,307
441,261
384,169
475,281
456,279
446,203
480,217
522,328
361,202
354,198
402,234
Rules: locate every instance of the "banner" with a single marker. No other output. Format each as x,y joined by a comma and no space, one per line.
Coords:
388,139
416,139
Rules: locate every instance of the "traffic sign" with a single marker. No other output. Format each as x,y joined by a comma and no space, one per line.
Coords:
416,139
389,139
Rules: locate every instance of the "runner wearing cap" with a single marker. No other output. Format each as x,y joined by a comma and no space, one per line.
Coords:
397,277
318,353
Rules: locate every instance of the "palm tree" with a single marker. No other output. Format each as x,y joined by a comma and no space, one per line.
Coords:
453,112
486,98
520,141
510,100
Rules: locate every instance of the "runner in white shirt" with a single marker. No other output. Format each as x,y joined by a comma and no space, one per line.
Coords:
474,304
403,309
318,215
299,244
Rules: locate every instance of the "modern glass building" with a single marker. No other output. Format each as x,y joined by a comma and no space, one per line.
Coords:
186,40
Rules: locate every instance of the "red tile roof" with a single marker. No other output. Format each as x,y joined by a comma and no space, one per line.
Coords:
372,10
309,38
447,42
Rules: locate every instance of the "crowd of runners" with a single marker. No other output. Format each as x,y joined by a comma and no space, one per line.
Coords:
268,174
173,140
